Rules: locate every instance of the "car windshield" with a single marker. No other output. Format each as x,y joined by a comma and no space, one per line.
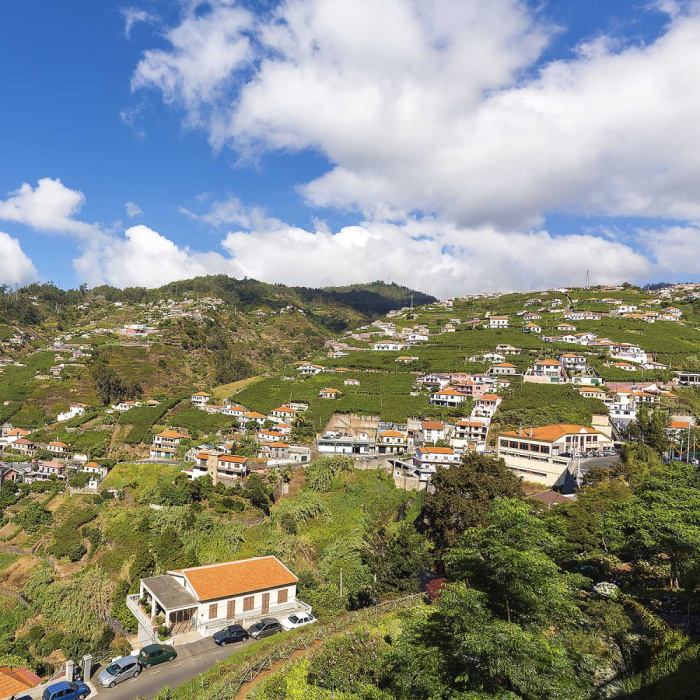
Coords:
259,625
293,619
113,669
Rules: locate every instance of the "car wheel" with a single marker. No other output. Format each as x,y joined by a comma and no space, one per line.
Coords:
82,697
112,684
147,666
136,674
223,644
172,658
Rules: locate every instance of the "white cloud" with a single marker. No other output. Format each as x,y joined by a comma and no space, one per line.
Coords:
144,258
676,249
206,50
133,210
133,16
430,255
15,267
434,106
50,206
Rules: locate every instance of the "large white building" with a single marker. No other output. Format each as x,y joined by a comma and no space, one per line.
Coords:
546,454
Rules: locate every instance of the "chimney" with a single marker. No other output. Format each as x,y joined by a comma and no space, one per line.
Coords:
520,430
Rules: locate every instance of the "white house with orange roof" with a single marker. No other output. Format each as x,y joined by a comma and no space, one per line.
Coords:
124,406
572,361
503,369
391,442
75,409
427,459
499,321
329,393
201,398
58,447
209,598
448,397
432,431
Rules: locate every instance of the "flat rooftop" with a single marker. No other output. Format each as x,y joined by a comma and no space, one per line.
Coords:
170,594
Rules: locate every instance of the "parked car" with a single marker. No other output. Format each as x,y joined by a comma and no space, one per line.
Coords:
66,691
118,671
230,635
155,654
265,628
297,620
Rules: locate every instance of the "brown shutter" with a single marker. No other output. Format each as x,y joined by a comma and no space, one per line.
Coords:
282,596
248,603
213,610
231,609
266,603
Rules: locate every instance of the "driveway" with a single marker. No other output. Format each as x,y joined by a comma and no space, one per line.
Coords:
586,464
192,659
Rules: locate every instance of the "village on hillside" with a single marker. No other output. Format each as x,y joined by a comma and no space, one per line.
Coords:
119,425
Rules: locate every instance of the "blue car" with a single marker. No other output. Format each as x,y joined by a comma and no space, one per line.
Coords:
66,691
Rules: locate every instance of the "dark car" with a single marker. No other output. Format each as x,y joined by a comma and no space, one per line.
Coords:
265,628
230,635
66,691
155,654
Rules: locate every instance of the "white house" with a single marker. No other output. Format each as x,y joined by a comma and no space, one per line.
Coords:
75,409
532,328
126,406
416,337
447,397
503,368
498,322
573,362
208,598
432,431
391,442
427,459
201,398
389,345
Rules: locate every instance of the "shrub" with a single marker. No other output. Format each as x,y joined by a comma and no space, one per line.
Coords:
347,662
51,641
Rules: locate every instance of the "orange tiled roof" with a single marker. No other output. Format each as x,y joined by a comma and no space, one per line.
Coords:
391,433
253,414
234,459
437,450
171,434
238,577
428,425
679,425
16,680
553,363
550,433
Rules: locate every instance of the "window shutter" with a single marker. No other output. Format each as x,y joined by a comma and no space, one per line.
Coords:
213,610
248,603
282,596
231,609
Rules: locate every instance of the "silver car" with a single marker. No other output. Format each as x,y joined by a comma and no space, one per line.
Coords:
118,671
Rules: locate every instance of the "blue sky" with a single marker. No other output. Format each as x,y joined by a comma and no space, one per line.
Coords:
315,145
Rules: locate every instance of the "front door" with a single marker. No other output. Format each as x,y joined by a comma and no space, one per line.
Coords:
266,603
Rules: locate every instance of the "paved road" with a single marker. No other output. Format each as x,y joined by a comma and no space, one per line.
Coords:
586,464
192,659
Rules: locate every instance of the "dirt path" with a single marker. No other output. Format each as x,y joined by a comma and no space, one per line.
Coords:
243,692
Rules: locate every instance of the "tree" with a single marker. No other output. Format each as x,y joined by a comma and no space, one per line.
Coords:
396,558
508,559
649,429
257,494
463,495
462,650
168,548
663,519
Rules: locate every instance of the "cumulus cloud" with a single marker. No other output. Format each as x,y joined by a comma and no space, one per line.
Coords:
205,52
15,267
675,249
144,258
50,206
441,106
431,255
133,210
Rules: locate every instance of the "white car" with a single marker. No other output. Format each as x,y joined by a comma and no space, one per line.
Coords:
297,620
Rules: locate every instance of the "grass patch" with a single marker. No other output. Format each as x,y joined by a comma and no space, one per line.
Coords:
225,390
138,477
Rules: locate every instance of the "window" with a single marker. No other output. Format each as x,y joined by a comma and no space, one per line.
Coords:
231,609
282,596
213,610
248,603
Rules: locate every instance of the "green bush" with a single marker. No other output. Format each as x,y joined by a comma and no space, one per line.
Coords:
144,418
